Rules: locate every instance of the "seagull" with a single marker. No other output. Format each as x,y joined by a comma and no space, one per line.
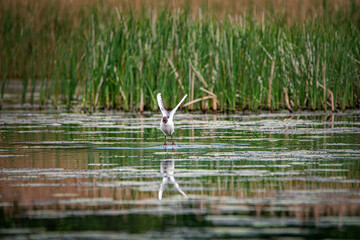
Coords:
166,123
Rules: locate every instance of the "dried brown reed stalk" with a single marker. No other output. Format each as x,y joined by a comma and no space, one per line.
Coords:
287,101
270,85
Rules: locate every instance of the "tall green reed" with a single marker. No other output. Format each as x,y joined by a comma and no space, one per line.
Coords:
116,59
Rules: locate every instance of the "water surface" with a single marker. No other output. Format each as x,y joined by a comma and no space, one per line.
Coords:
108,175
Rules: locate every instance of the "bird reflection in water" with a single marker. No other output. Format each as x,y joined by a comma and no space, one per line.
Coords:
167,168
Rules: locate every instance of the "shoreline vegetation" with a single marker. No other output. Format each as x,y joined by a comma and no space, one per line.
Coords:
226,55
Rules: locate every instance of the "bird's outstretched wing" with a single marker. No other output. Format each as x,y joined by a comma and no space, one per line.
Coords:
161,106
172,113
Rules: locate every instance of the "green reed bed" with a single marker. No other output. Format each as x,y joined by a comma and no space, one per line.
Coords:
111,59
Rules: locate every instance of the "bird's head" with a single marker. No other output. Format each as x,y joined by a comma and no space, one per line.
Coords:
165,120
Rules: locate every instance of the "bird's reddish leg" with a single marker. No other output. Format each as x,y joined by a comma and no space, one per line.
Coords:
165,141
172,140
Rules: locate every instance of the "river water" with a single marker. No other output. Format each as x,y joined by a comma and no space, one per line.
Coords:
108,176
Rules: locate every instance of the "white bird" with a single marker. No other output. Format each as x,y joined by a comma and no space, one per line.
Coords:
166,123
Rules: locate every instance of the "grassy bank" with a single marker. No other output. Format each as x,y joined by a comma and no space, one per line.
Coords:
110,56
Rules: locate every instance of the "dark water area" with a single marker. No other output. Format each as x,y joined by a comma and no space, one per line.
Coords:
108,176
